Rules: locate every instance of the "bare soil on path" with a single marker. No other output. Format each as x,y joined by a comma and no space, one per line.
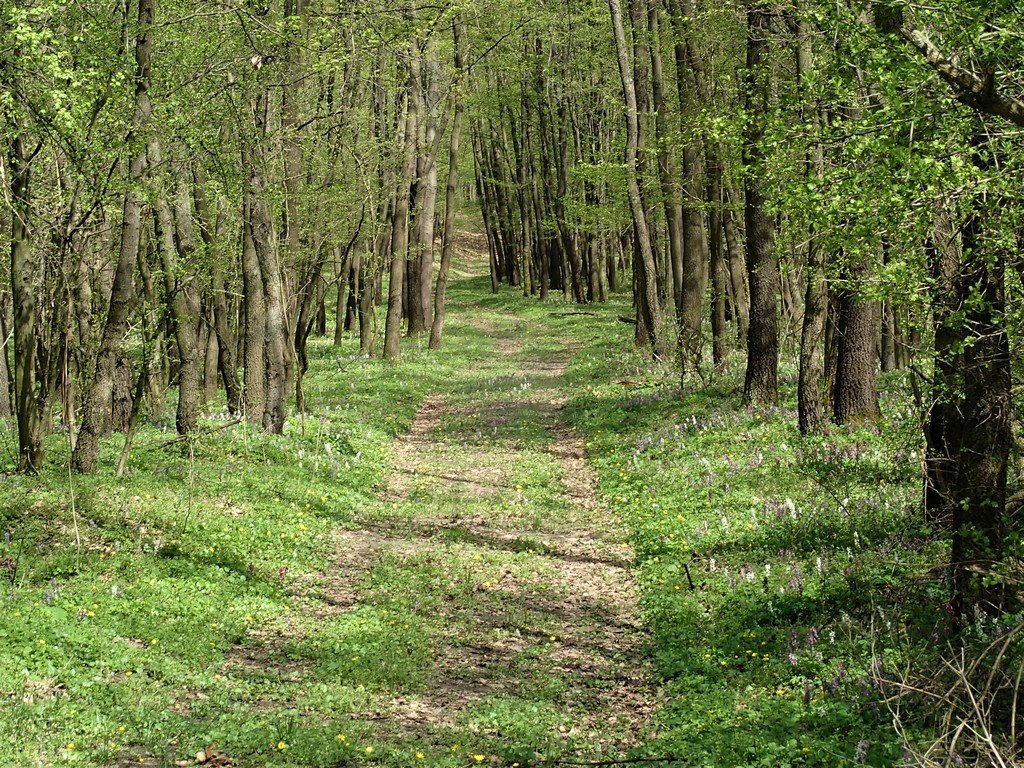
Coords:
492,485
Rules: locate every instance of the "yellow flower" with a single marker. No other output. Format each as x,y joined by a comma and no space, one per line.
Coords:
369,750
282,746
71,746
341,737
478,758
419,755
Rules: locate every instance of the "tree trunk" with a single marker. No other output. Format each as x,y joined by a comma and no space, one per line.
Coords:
810,410
856,385
400,236
719,278
182,293
648,309
735,259
450,200
25,272
761,385
255,306
96,413
213,235
668,176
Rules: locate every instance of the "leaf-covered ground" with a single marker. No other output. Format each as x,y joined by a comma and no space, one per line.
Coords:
527,548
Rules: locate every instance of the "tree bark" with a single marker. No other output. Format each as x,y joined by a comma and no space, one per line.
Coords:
648,308
25,274
400,236
450,200
810,410
96,413
761,384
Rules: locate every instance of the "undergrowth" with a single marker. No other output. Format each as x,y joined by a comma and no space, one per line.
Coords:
783,580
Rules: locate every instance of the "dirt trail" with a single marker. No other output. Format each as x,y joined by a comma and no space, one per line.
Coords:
562,613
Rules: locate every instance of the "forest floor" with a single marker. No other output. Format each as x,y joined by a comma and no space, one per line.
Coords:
530,548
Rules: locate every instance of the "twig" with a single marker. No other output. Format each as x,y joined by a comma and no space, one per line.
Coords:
199,433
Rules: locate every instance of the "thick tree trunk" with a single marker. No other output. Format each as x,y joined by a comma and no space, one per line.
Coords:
856,384
761,385
855,395
981,438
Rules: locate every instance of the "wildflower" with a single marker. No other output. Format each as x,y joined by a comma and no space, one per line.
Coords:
369,750
478,758
341,737
281,746
419,755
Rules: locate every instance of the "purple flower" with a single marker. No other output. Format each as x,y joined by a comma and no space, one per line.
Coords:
862,749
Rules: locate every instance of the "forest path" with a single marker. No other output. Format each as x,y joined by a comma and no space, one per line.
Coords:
489,529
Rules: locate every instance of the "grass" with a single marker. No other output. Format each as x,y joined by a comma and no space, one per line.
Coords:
220,595
138,639
776,570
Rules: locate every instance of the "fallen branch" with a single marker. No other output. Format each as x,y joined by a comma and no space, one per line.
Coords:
624,319
570,314
626,761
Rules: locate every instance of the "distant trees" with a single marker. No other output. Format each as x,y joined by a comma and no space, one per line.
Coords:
185,194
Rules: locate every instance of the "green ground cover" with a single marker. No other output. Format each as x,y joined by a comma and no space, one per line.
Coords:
190,603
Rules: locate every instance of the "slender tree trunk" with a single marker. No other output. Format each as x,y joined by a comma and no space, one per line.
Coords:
810,410
96,413
736,262
25,273
450,201
255,323
213,235
174,232
400,236
668,176
648,308
719,278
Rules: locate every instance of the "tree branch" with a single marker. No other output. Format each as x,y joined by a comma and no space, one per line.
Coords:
975,91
